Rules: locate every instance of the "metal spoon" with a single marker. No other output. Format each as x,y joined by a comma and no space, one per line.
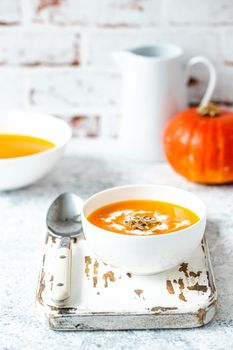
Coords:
64,220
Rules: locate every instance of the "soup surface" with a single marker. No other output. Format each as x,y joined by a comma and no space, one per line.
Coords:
12,146
142,217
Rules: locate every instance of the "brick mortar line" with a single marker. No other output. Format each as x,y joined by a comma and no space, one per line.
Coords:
44,28
79,26
151,29
85,110
61,68
75,28
201,24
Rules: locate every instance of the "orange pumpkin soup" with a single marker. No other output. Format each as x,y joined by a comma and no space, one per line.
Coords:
142,217
12,146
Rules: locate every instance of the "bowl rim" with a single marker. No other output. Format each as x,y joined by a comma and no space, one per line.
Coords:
158,236
26,114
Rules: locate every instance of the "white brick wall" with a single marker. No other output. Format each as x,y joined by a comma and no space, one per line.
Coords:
106,13
33,47
200,12
69,89
55,55
12,89
10,12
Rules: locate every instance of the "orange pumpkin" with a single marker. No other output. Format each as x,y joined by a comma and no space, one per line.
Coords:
198,144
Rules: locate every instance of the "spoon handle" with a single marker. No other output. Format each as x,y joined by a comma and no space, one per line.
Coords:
62,272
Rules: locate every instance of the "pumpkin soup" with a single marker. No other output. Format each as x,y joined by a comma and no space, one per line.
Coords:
142,217
12,146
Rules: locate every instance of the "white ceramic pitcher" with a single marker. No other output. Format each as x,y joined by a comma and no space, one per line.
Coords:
154,89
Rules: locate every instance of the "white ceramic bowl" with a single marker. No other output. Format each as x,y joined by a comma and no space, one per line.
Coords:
22,171
144,255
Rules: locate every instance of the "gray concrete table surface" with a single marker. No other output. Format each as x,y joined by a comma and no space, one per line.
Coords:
22,225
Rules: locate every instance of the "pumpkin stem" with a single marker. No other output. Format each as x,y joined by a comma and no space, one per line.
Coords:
209,110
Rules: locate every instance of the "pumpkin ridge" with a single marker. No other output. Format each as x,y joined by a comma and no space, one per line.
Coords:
209,150
221,145
192,133
205,140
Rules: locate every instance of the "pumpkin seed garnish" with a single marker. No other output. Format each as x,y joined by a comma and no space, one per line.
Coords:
142,223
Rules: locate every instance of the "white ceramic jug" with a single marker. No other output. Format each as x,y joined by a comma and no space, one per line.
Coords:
154,89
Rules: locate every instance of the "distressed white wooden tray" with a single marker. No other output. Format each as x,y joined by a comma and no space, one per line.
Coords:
106,298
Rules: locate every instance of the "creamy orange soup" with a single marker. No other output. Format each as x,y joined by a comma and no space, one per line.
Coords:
142,217
12,146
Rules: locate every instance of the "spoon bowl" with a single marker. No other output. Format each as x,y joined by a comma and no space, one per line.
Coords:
64,216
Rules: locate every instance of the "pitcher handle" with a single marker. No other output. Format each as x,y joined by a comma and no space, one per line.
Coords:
212,77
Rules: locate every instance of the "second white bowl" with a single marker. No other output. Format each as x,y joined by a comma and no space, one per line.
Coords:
22,171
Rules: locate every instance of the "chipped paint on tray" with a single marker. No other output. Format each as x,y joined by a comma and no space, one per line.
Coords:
104,297
195,274
184,268
198,288
158,309
108,276
138,292
170,288
87,265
